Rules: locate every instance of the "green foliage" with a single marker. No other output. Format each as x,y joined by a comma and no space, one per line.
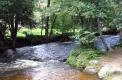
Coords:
70,16
80,57
86,38
34,31
120,44
63,23
16,12
108,10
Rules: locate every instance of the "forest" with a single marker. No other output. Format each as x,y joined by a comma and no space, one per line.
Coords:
84,34
28,19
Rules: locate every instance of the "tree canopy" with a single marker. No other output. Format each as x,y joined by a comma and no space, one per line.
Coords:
59,15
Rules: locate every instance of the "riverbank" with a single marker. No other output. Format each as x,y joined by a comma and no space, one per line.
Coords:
35,36
33,40
107,67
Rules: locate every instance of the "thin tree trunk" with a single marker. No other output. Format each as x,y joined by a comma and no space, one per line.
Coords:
42,25
1,39
81,21
101,36
120,33
47,21
14,28
52,25
47,27
72,24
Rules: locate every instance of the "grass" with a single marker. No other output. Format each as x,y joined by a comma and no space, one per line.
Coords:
37,31
80,57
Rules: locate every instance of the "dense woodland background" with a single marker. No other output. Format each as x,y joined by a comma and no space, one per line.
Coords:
29,22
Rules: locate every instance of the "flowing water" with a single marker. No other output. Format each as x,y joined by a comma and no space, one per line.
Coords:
42,62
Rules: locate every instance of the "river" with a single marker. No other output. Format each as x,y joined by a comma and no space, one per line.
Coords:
41,62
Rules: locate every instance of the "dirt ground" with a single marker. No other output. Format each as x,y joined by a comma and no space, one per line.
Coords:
113,58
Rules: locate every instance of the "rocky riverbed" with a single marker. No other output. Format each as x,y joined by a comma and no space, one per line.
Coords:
52,70
42,62
108,67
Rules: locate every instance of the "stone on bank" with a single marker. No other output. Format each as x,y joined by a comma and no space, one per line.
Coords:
109,69
111,41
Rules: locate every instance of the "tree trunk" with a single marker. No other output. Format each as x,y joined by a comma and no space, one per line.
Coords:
47,21
1,39
2,34
101,36
47,27
120,34
52,25
42,25
14,28
81,21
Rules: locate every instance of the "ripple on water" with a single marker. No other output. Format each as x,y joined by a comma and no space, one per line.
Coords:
50,71
46,52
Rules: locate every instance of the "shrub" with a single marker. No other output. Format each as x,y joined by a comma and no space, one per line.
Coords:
86,38
80,57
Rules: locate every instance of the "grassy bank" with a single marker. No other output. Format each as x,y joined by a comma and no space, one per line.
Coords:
37,32
27,37
80,57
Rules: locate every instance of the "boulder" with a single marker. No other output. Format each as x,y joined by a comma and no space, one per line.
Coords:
109,69
117,78
8,56
17,65
93,67
111,41
91,70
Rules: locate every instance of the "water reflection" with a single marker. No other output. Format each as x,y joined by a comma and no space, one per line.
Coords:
51,71
17,77
71,76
